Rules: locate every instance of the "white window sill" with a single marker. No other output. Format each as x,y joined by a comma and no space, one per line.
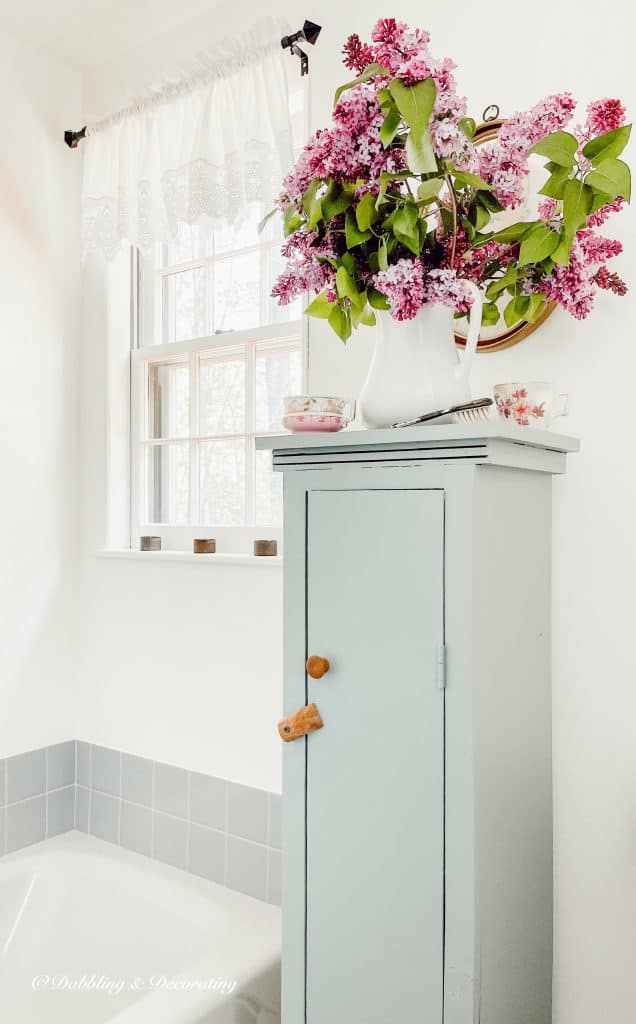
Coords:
218,558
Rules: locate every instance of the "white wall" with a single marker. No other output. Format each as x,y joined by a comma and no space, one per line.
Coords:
143,694
39,300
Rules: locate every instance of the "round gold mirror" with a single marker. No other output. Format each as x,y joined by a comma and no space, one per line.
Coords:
499,336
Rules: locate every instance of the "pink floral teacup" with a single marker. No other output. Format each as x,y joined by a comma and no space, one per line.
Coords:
530,404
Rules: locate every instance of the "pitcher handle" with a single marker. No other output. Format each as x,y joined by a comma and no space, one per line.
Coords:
474,327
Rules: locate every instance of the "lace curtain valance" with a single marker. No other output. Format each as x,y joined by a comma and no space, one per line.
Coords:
195,152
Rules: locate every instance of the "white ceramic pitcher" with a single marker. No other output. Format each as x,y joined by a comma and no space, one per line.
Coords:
416,367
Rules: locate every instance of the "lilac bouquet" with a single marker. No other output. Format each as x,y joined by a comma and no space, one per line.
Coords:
392,206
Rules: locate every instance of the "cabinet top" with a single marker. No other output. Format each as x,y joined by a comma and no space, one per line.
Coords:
496,442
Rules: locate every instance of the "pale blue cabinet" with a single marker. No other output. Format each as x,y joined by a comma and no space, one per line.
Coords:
417,823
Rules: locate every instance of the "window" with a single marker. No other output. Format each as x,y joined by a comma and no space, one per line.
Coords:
215,356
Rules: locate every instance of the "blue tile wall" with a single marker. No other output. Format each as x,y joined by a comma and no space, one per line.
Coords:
222,831
37,795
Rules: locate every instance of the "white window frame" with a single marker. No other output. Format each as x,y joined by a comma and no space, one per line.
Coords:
286,336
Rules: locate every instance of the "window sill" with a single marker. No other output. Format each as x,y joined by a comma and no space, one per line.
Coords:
219,558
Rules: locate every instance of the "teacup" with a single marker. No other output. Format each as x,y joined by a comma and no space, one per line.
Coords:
530,403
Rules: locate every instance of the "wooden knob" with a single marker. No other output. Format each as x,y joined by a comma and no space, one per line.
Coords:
307,719
317,666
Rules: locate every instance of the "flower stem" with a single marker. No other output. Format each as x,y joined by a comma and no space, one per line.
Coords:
453,204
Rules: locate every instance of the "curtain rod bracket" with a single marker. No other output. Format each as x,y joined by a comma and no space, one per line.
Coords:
73,139
309,32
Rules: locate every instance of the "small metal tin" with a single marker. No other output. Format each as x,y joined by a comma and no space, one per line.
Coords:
150,543
204,546
265,547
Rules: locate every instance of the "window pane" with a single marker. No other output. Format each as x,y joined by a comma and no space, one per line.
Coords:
279,314
221,483
222,396
237,293
268,492
184,305
168,400
277,374
191,243
168,475
230,238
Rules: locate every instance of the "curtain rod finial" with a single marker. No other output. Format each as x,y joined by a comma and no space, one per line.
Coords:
73,139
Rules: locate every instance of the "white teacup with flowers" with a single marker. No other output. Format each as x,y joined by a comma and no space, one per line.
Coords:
530,403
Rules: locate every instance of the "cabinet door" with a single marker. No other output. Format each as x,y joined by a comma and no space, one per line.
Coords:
375,772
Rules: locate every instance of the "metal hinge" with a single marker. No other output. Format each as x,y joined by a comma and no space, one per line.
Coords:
441,667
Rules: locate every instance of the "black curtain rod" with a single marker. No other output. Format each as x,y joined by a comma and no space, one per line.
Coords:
309,32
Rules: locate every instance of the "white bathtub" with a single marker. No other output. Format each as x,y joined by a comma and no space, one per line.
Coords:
92,933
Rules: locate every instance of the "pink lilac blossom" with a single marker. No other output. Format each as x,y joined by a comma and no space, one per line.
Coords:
603,116
307,267
597,219
445,287
548,209
404,52
356,54
504,164
609,281
574,286
408,285
403,285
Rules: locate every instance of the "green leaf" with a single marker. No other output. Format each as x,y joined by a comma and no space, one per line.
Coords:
555,184
366,213
340,322
510,315
611,177
479,216
420,154
488,200
535,308
499,285
559,147
310,194
315,214
347,261
429,189
265,219
353,235
346,288
390,126
561,254
406,229
577,203
377,299
468,126
383,257
385,180
465,178
610,144
415,103
336,200
537,244
291,219
489,314
320,307
513,233
371,71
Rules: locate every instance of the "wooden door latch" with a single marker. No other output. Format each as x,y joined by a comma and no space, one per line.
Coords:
301,722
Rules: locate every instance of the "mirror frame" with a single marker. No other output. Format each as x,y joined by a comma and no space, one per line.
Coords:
486,132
